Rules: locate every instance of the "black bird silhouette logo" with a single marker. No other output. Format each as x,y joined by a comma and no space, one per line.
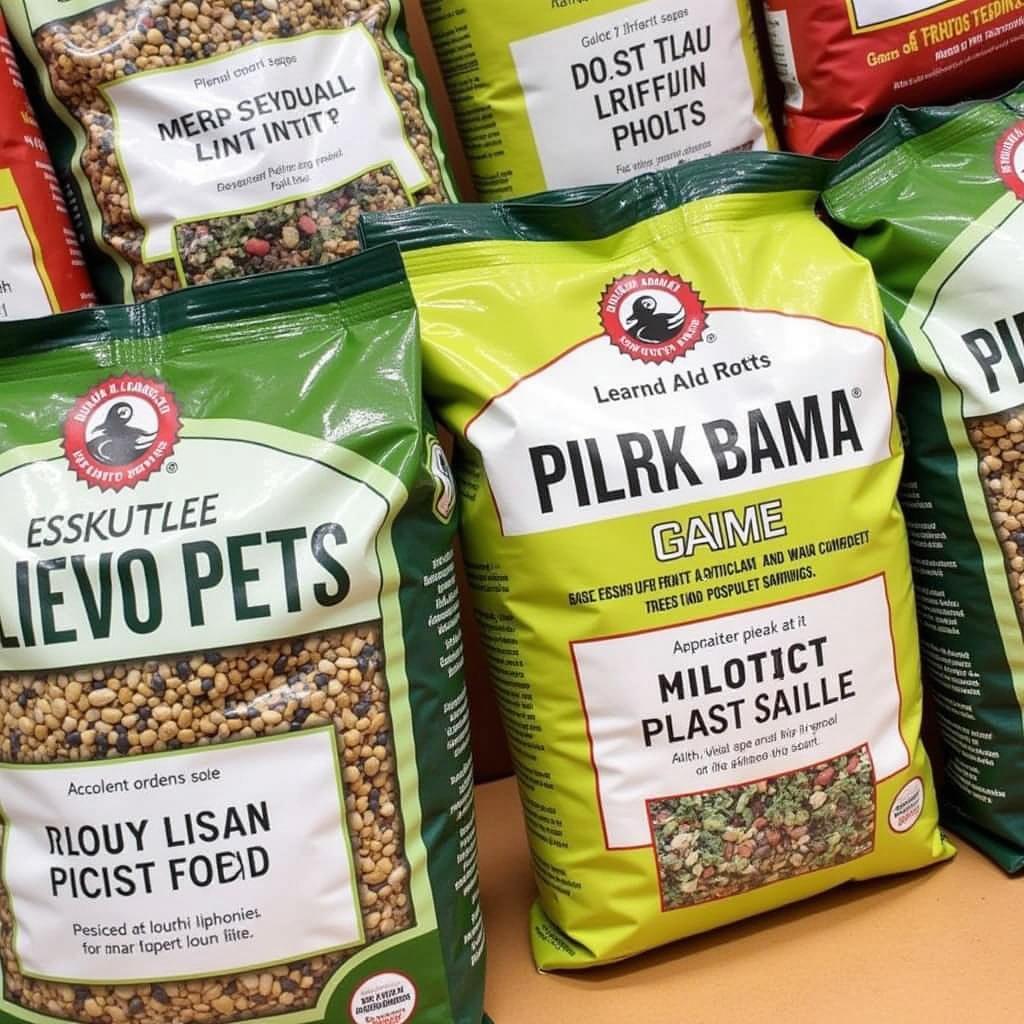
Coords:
645,323
115,442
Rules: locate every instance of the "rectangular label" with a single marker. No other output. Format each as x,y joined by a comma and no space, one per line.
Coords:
269,123
766,399
208,862
22,294
646,87
976,322
873,13
781,41
233,541
727,701
43,12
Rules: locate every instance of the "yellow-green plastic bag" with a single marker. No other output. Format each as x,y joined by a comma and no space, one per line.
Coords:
555,95
678,459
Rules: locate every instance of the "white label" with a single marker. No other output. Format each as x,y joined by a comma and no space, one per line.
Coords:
214,513
781,40
778,688
976,323
545,475
387,998
22,294
180,866
645,87
267,124
868,13
907,807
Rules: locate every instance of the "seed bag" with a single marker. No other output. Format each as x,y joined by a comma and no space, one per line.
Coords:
234,763
549,96
208,140
41,268
678,462
937,197
846,63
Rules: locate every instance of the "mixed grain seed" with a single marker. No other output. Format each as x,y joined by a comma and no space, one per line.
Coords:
177,703
999,442
130,37
304,233
730,841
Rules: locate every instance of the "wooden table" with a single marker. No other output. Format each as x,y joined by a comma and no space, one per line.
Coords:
937,947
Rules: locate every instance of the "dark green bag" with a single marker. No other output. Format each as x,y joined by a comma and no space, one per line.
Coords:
234,763
936,198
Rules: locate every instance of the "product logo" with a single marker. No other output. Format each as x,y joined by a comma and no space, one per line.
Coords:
653,317
1010,159
121,432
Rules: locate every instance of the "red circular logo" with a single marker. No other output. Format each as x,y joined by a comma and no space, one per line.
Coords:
1010,159
654,317
121,432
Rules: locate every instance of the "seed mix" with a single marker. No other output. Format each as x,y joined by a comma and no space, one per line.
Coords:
127,710
310,231
999,441
736,839
119,40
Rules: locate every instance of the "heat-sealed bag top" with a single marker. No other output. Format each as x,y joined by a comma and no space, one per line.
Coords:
234,757
678,460
846,63
205,140
557,95
937,200
41,267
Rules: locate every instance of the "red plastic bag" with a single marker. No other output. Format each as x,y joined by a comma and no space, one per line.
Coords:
41,267
845,63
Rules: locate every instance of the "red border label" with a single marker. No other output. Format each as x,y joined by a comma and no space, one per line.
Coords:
1007,150
84,443
665,319
573,644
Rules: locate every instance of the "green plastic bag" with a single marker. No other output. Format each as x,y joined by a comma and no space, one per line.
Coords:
937,200
204,141
679,457
234,765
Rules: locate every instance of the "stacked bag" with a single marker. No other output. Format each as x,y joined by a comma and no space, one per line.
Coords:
231,543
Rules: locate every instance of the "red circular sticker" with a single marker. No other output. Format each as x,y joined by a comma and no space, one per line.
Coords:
121,432
654,317
1010,159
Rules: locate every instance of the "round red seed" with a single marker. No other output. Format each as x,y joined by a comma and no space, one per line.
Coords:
257,247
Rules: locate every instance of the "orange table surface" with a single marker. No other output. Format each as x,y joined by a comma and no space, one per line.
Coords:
937,947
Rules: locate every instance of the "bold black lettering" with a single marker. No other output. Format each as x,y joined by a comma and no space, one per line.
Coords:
98,612
844,426
197,581
50,599
762,444
639,461
673,458
335,569
806,435
129,595
722,436
986,352
549,468
602,492
241,577
287,539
